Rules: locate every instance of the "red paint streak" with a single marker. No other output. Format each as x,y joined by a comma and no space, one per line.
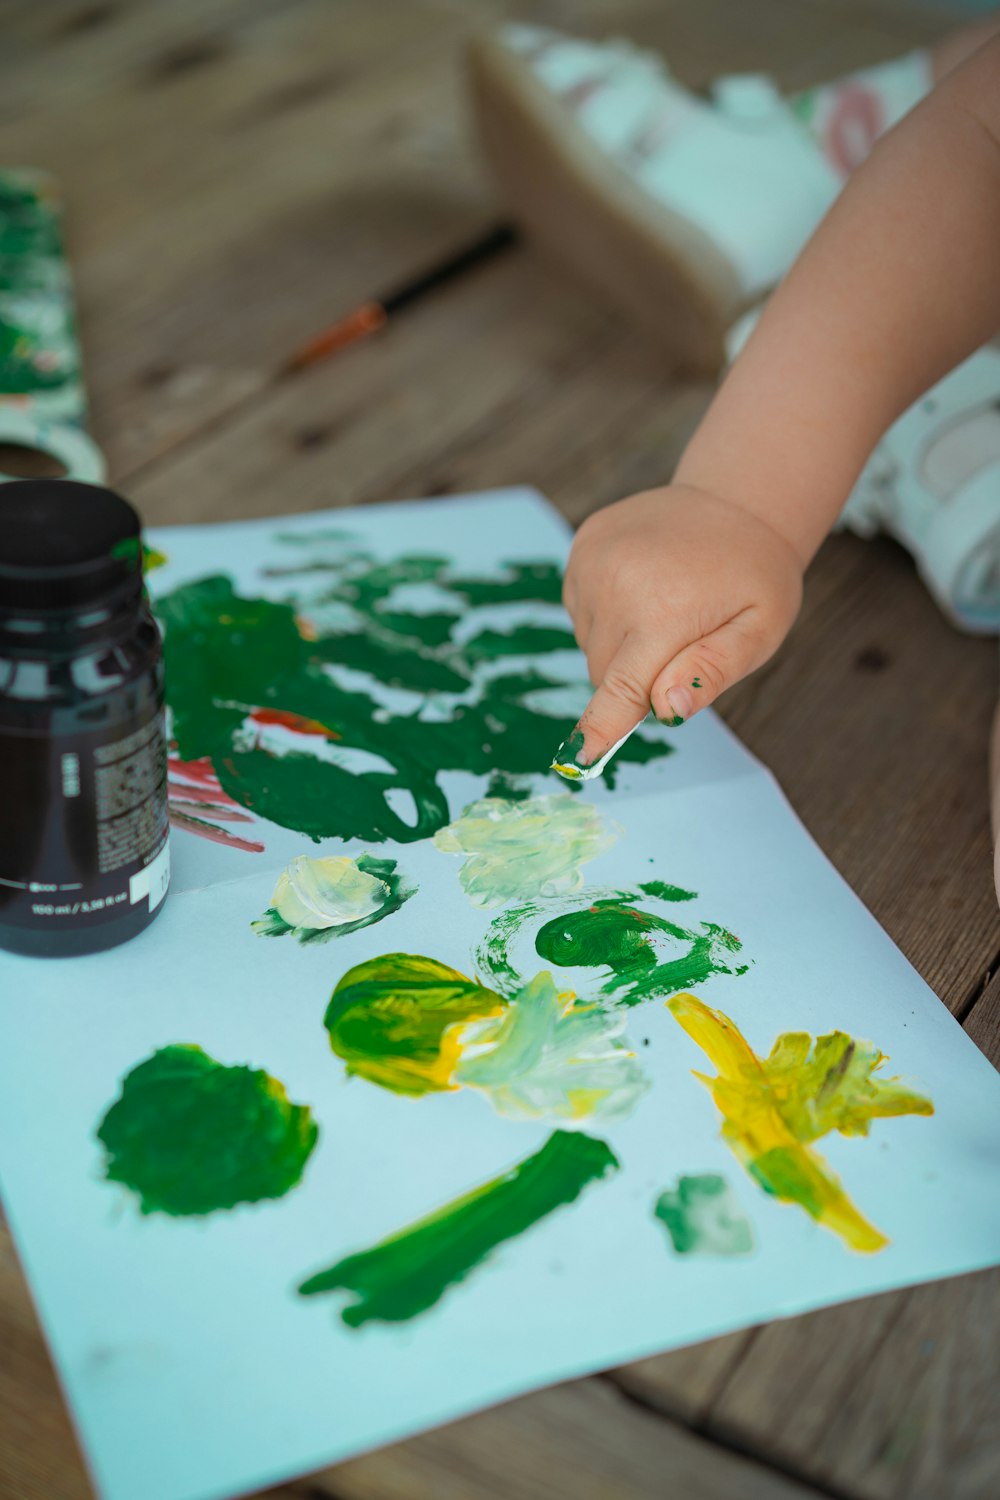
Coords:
296,722
214,835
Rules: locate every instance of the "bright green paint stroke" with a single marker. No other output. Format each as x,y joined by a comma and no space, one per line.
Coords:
393,1020
319,899
190,1135
516,850
702,1216
409,1272
622,937
644,955
547,1058
228,656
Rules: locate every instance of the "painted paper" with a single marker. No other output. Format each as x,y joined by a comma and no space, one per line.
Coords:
438,1078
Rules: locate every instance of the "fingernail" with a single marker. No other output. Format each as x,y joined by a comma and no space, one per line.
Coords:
678,707
567,758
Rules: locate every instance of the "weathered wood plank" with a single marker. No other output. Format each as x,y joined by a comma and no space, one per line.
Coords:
895,1398
39,1457
576,1442
352,430
220,215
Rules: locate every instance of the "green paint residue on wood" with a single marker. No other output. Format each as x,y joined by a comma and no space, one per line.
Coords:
229,657
517,850
702,1216
319,899
409,1272
393,1020
189,1135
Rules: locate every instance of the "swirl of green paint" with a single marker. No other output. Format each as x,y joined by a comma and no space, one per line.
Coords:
391,1020
189,1135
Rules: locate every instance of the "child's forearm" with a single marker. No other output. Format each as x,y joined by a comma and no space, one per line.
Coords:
899,283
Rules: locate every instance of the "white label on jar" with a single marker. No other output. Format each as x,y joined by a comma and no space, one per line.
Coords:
152,881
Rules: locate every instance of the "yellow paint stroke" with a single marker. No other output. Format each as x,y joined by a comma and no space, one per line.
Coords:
773,1108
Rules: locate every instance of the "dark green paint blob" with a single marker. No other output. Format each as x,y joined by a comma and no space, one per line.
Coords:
502,785
409,1272
696,682
190,1135
323,800
609,932
525,640
527,582
618,936
616,932
229,657
664,892
673,722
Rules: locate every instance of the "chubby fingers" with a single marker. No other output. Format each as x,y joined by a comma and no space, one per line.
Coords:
636,679
700,672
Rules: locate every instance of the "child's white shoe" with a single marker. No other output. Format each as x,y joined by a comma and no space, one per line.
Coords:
683,210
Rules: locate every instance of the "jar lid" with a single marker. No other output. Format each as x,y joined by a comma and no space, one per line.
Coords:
66,546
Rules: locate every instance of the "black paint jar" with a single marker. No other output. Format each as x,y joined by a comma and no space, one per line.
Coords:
84,857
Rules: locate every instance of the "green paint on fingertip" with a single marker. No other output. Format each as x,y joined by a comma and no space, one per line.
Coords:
189,1135
407,1273
566,760
702,1216
696,682
671,723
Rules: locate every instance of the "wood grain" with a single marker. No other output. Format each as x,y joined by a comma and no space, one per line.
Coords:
575,1442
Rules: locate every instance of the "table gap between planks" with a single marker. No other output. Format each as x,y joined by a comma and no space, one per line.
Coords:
241,172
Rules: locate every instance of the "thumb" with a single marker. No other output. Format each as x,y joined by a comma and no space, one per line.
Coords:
703,670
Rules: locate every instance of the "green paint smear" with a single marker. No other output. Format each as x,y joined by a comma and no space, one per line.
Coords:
409,1272
612,933
665,892
615,931
400,891
227,655
525,640
508,787
703,1217
190,1135
569,751
388,1020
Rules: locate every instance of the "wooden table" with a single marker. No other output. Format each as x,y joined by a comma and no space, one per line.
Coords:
240,172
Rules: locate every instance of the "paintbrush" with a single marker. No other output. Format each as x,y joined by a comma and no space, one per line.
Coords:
373,315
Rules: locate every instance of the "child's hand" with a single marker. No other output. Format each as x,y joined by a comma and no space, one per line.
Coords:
675,595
